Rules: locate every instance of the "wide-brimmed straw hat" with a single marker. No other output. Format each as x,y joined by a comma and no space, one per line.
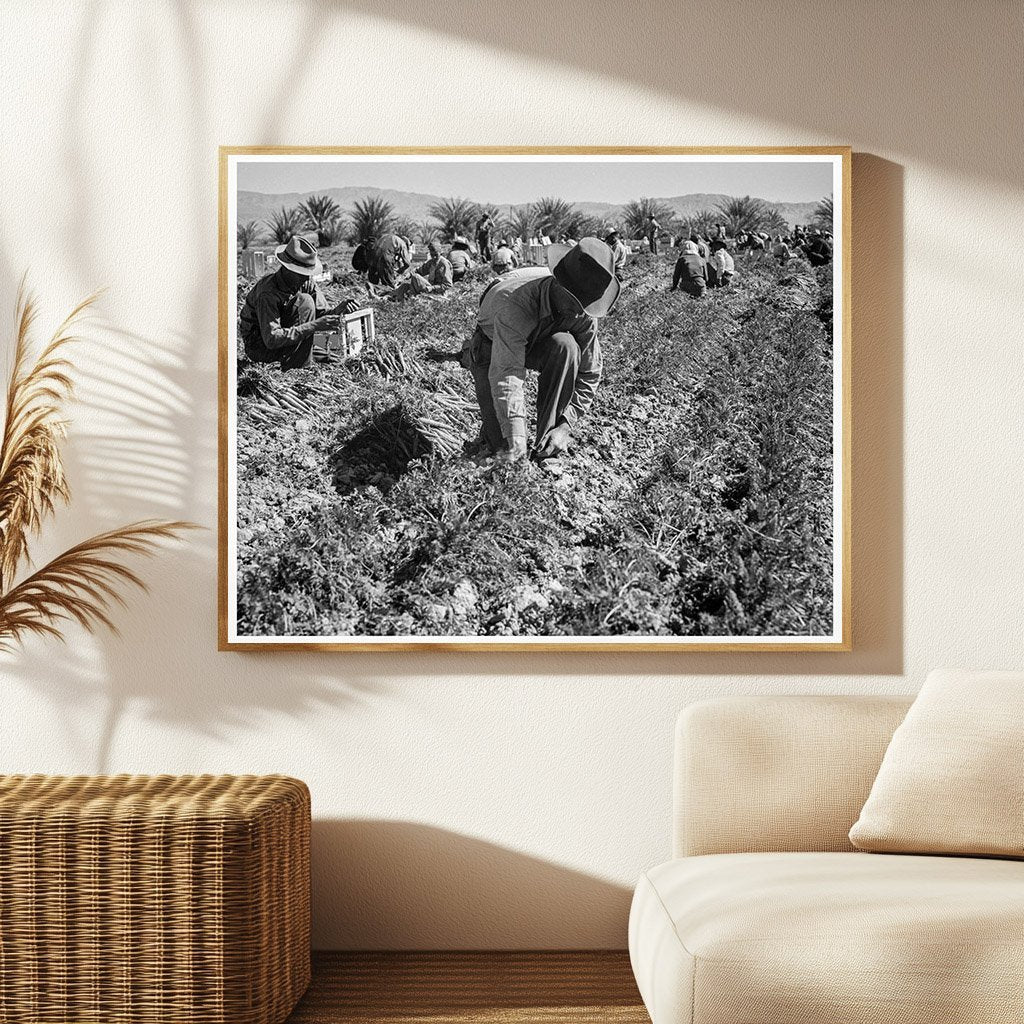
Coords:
588,271
299,255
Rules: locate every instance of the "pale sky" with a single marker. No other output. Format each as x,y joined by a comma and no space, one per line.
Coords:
582,180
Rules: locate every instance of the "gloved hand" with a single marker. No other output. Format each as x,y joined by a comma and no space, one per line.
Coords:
346,306
555,442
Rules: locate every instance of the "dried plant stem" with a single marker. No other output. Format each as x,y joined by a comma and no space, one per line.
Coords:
82,583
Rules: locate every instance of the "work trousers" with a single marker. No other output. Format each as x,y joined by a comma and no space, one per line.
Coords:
556,358
653,240
383,271
415,284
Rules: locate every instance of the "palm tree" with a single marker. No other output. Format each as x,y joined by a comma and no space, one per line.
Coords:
247,234
455,215
702,223
742,214
636,213
285,223
427,231
774,223
320,212
522,223
552,215
371,218
824,214
334,231
406,227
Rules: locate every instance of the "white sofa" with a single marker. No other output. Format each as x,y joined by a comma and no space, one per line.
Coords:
768,915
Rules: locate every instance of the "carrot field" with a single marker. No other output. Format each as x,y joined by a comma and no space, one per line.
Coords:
697,499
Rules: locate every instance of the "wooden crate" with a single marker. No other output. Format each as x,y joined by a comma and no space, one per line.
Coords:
153,899
359,331
256,263
534,253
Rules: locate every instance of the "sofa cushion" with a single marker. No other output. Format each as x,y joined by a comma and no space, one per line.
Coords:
830,938
950,781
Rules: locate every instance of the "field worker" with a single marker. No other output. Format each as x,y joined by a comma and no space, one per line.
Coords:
533,319
725,266
781,251
460,257
702,249
818,250
619,252
431,278
653,227
507,243
483,236
690,274
283,310
710,274
389,260
720,232
363,254
503,261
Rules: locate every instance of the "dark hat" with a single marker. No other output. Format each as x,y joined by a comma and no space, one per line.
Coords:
587,270
299,255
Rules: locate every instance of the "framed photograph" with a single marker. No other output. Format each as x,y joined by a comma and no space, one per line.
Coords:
557,398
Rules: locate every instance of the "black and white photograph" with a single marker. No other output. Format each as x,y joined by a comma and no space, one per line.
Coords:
570,398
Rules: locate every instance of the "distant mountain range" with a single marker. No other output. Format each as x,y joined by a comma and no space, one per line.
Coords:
259,206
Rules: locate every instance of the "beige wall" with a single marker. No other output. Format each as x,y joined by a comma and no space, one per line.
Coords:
496,800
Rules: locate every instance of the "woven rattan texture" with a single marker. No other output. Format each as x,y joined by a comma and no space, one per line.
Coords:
144,899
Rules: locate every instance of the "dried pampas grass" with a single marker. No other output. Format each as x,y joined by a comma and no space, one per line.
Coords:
83,583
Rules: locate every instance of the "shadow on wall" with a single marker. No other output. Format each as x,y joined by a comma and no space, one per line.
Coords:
894,77
403,885
148,450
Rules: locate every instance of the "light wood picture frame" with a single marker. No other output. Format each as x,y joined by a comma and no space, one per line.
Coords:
725,412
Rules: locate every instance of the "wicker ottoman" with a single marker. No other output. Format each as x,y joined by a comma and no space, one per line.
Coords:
132,899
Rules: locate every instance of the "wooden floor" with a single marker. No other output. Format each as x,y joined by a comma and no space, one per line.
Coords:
466,988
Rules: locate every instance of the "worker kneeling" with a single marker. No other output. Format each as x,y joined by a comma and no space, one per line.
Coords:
431,278
691,273
284,309
533,319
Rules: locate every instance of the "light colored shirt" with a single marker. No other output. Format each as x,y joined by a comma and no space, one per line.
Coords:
619,252
723,262
460,260
504,256
519,309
